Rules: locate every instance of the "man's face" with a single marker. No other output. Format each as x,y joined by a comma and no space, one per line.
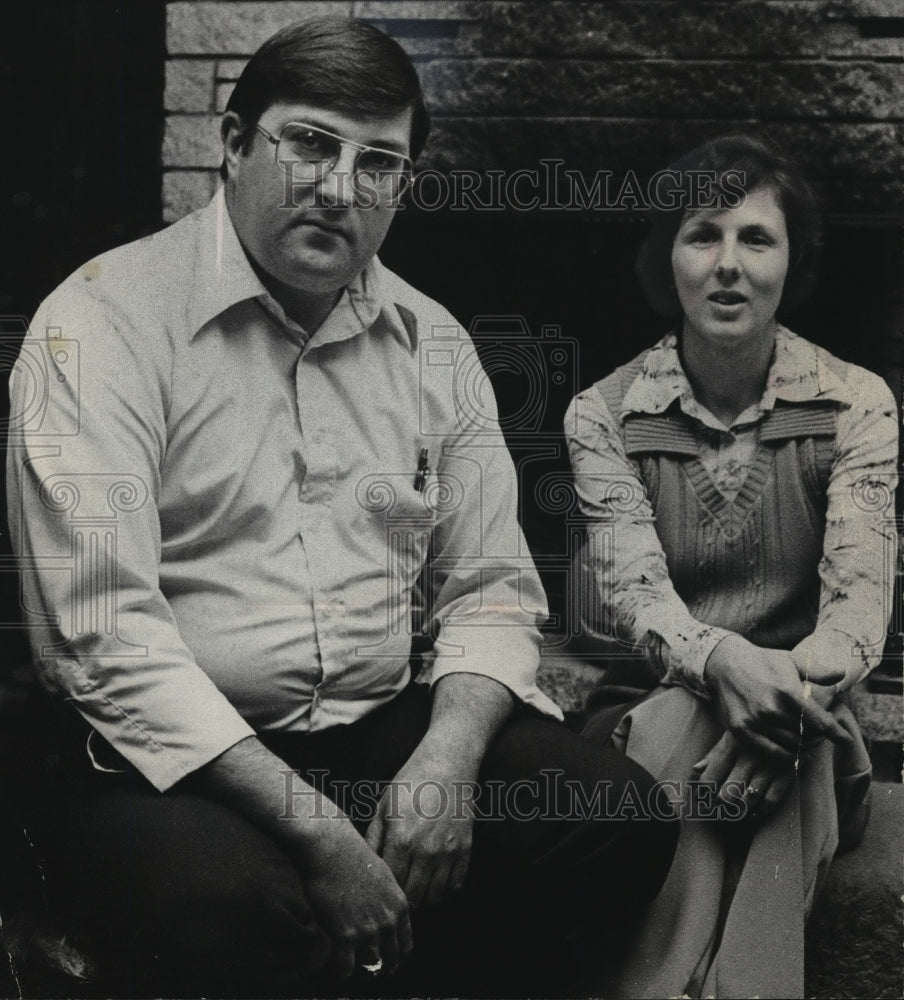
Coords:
312,239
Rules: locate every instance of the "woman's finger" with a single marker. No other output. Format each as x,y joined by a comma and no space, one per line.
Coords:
768,747
740,777
719,761
815,718
778,789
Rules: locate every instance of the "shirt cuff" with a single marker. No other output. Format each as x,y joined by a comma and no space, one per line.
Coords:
828,653
686,646
194,725
507,654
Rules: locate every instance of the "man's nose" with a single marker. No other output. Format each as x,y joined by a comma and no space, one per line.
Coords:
337,189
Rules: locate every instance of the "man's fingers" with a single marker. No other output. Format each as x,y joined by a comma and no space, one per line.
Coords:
389,950
343,957
440,880
458,874
406,938
397,857
375,831
417,881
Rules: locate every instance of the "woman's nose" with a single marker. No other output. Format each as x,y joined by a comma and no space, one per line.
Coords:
727,261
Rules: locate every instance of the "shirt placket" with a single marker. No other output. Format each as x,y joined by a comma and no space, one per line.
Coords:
315,511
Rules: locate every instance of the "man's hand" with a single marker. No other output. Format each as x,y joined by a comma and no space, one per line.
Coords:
763,701
733,764
419,831
356,900
351,891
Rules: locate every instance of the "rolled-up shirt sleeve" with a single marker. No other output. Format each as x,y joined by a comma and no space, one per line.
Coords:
628,595
485,597
83,479
857,566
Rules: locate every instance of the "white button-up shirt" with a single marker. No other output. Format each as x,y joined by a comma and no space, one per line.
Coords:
217,518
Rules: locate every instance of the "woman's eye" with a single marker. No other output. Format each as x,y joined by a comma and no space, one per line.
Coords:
701,236
758,240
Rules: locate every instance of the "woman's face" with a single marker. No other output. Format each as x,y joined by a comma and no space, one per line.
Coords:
729,267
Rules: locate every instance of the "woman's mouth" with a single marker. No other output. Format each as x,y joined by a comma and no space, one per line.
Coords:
726,298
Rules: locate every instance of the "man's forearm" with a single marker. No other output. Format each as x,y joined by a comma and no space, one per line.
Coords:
262,787
468,711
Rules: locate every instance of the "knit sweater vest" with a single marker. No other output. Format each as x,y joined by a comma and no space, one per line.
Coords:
751,565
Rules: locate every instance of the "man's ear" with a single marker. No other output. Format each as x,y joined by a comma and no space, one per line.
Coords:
232,132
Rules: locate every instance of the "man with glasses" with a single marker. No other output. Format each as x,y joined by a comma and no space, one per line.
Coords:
222,523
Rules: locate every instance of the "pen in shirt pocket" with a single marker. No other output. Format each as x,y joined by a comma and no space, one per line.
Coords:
423,470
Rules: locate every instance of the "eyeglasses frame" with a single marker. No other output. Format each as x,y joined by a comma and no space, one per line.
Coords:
360,147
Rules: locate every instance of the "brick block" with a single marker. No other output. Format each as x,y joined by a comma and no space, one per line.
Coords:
192,141
857,91
845,47
843,153
657,29
189,85
230,69
585,87
218,28
185,190
412,10
221,97
866,8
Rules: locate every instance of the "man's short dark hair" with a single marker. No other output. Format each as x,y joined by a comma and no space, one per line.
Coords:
737,164
336,63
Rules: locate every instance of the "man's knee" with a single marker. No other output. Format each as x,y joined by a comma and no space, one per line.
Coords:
586,818
250,931
181,888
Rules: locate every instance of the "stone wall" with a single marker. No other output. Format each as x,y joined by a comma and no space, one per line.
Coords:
620,85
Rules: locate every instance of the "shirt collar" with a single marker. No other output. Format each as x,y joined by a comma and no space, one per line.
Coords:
797,374
224,277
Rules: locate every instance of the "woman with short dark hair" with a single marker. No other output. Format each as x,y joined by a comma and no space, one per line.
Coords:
736,572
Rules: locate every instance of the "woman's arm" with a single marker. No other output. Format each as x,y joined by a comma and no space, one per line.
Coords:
630,597
857,567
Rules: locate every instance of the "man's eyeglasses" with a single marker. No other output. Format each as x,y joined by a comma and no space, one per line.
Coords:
312,153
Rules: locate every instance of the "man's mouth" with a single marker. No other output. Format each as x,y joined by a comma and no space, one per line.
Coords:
322,224
726,298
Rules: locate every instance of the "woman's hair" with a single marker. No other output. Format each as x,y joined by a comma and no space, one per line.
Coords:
721,172
335,63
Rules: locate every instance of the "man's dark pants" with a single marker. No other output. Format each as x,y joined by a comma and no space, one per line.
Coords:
184,897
